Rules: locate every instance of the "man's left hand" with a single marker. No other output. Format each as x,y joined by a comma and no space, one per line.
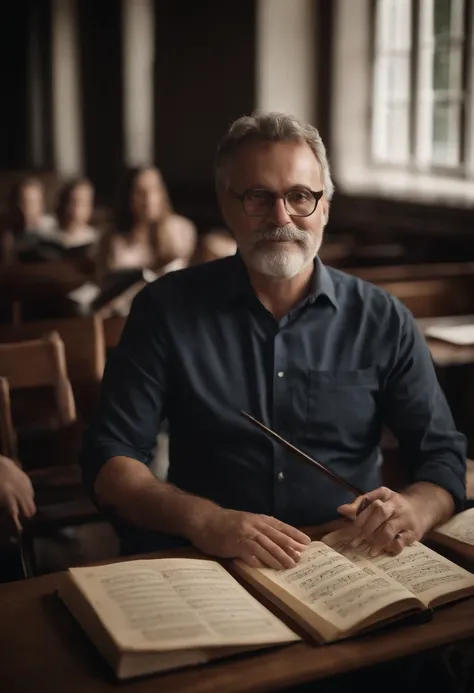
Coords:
390,522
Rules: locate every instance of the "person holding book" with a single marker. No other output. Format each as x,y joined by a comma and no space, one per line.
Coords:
74,211
26,223
321,357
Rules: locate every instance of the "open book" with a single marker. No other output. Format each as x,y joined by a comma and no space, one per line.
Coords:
155,614
457,534
335,592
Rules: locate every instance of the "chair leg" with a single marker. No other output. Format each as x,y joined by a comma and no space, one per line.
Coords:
26,547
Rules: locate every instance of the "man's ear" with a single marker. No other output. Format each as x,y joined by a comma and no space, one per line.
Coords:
325,212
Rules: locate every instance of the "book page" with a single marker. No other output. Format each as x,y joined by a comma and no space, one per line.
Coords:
460,527
165,604
422,571
328,584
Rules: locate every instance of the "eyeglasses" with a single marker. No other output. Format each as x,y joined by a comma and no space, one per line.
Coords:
299,202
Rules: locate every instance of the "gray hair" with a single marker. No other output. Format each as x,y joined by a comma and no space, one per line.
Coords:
270,127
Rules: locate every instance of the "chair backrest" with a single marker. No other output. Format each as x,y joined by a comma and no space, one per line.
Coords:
83,339
8,446
38,363
113,328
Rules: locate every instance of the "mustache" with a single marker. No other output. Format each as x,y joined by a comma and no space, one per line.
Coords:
282,233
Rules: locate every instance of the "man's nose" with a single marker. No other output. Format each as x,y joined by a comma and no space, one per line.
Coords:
278,214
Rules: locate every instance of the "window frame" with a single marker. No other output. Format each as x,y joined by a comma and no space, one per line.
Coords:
465,168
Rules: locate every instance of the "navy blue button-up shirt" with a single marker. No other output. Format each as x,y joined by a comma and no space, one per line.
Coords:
198,347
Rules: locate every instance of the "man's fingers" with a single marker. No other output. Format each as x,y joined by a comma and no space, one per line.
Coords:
350,510
290,531
385,535
251,559
402,539
283,540
283,557
370,521
253,547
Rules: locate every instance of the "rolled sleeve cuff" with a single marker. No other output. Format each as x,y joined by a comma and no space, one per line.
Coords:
96,454
443,475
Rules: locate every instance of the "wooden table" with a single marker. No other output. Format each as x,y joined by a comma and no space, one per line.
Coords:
43,650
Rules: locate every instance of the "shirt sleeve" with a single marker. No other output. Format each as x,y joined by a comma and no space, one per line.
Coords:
416,411
133,393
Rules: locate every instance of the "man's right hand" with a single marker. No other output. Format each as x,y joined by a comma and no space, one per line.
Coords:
259,540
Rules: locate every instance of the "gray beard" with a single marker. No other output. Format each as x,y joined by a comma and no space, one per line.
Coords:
282,262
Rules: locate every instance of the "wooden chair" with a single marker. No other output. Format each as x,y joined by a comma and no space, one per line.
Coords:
40,363
7,435
84,344
60,497
113,328
83,339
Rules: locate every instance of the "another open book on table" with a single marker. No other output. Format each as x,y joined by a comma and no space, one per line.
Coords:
151,615
457,534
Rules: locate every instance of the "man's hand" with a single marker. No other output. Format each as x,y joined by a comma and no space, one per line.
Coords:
259,540
16,497
391,521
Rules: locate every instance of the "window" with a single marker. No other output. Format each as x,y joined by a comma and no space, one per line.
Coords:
423,86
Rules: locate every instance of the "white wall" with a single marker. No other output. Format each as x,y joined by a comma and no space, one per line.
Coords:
138,60
286,75
67,126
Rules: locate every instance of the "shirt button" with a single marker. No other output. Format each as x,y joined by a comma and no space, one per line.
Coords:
280,374
281,476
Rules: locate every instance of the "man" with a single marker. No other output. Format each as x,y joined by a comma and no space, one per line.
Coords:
319,356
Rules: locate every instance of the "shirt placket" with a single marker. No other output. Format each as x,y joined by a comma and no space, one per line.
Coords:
280,396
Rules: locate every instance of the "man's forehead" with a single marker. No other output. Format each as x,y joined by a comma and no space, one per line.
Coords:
260,163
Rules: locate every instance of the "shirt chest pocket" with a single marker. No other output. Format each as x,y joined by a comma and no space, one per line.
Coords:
342,407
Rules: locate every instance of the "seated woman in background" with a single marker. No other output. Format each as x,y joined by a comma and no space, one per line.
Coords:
73,234
26,223
73,213
148,234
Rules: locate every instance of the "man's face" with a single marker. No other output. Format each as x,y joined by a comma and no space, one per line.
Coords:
276,244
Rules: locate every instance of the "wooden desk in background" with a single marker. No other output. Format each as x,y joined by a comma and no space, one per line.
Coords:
42,650
445,354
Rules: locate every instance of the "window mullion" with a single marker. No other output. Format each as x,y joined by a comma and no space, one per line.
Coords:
424,94
469,103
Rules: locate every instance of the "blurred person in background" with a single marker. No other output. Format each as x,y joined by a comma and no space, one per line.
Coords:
148,234
216,243
74,211
26,223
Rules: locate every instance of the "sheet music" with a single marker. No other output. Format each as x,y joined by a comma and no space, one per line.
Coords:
169,603
421,570
460,527
330,585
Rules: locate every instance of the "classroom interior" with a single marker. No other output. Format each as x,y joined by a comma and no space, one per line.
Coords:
100,95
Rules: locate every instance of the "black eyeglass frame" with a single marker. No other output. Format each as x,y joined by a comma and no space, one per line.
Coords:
317,194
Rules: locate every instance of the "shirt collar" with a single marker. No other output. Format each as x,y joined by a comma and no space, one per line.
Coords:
322,282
